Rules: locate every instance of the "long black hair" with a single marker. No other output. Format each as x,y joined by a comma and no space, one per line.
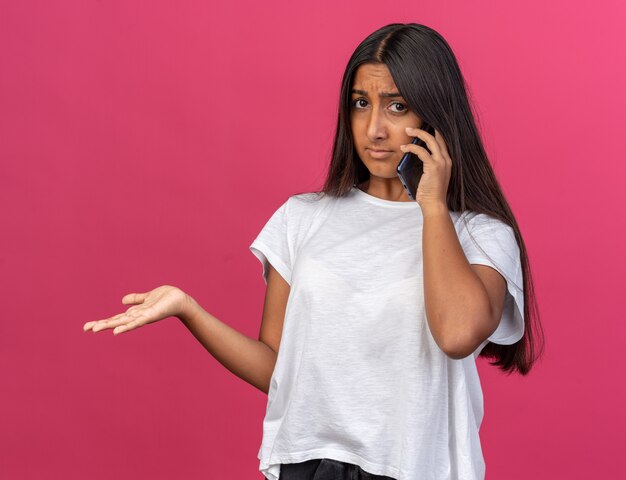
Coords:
428,77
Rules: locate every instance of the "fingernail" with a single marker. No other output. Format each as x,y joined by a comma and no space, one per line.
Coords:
409,129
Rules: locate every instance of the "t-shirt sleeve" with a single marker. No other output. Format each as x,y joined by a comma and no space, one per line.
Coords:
272,244
493,243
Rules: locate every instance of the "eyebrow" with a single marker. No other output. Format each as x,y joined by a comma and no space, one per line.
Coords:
382,94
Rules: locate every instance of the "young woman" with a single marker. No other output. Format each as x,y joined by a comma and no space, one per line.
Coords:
377,305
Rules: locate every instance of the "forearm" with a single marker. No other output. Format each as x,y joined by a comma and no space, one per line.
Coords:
249,359
455,298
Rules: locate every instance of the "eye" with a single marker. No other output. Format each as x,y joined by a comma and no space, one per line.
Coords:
359,103
402,107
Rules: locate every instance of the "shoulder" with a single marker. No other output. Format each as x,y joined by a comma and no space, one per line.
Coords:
307,198
305,204
484,231
472,222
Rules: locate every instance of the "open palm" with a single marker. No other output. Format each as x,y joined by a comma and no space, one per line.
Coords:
162,302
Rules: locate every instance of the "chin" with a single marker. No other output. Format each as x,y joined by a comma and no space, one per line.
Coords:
386,174
382,168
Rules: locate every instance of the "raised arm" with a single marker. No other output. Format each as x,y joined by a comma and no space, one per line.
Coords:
463,302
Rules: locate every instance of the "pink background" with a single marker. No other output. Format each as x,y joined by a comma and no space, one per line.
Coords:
145,143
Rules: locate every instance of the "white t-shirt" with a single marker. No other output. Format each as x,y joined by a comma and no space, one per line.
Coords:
359,377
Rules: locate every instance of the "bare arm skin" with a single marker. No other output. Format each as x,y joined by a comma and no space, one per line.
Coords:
464,302
251,360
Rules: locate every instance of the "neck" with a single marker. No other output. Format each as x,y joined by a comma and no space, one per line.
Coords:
386,189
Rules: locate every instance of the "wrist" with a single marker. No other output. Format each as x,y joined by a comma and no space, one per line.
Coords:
187,305
434,209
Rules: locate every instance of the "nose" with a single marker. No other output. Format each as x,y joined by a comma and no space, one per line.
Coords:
376,127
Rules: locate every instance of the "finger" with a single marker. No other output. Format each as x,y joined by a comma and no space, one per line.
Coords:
112,322
135,323
421,152
90,325
134,298
442,144
427,138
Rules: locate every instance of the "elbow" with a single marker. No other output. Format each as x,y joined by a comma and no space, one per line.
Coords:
458,345
463,337
457,351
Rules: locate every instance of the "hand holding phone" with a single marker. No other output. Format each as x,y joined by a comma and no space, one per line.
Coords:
410,168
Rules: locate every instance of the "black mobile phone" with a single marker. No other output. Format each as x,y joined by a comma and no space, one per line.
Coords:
410,168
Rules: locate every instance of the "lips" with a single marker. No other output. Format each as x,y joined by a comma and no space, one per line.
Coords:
379,154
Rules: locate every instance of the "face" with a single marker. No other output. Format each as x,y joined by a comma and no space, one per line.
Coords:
379,116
